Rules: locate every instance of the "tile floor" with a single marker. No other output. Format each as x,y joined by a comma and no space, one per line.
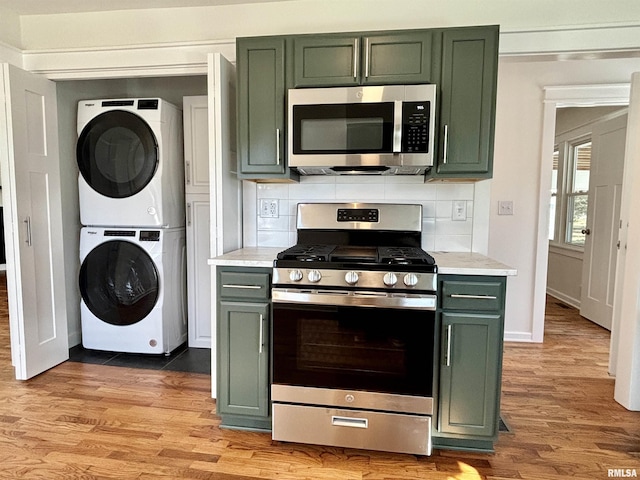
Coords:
182,359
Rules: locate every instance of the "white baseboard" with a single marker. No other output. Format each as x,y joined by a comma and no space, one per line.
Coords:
574,302
522,337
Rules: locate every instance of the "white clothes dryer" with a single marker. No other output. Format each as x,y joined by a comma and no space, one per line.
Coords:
130,161
133,288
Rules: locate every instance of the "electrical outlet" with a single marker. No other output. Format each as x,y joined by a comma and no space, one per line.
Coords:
505,207
269,208
459,211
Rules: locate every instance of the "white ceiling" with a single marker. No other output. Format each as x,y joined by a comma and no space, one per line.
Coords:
44,7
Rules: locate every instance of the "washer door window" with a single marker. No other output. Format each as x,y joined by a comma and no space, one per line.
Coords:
119,282
117,154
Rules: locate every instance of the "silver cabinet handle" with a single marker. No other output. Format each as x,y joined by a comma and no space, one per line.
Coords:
349,422
445,148
245,287
188,173
261,337
28,222
356,54
474,297
189,213
366,57
277,146
448,354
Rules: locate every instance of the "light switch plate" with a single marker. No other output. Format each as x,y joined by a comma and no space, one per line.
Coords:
505,207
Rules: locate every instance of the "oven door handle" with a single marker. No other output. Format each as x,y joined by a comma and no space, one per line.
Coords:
367,299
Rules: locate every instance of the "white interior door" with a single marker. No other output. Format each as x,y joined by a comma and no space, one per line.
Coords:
30,164
226,189
625,338
603,217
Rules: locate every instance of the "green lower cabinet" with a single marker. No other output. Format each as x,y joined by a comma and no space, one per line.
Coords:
470,372
243,339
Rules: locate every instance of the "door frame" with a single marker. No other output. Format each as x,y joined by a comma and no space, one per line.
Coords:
555,97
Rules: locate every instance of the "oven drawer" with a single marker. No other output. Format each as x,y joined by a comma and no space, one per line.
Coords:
472,295
390,432
245,285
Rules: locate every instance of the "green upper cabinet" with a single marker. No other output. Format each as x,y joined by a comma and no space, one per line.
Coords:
467,103
326,60
261,107
361,59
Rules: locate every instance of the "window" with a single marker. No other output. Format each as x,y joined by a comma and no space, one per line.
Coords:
569,191
554,196
578,193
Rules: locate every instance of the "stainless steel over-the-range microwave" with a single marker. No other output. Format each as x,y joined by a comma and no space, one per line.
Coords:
371,129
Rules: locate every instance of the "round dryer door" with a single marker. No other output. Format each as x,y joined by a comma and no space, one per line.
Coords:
117,154
119,282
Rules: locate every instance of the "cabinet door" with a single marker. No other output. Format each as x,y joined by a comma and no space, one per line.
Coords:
243,343
326,60
467,109
196,144
261,105
470,373
198,271
398,58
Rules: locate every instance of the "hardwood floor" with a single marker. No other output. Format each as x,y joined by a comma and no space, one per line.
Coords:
89,421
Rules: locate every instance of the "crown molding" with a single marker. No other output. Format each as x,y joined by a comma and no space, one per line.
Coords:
11,54
190,58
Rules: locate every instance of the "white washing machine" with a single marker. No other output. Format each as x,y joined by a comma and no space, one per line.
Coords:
133,283
130,161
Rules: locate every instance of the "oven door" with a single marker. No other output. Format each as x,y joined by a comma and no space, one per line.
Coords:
375,345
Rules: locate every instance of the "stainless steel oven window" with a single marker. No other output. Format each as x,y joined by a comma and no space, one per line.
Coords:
373,349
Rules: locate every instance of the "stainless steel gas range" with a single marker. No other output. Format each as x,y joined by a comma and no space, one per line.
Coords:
354,329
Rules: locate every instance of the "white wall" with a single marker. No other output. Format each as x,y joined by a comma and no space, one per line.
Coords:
128,27
518,167
9,28
440,231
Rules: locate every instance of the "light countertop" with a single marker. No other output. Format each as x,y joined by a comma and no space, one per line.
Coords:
452,263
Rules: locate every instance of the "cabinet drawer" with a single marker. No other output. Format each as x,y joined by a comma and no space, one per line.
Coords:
460,295
390,432
244,285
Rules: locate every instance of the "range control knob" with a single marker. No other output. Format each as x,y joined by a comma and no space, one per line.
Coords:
314,276
410,279
295,275
390,279
351,278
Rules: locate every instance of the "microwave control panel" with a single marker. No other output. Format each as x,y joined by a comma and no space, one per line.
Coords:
415,127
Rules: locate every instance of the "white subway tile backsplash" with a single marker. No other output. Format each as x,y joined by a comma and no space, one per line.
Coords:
274,239
358,192
279,224
439,232
452,243
444,209
446,226
318,191
273,190
408,191
454,191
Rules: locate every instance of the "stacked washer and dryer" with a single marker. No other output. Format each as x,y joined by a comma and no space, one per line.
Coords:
132,244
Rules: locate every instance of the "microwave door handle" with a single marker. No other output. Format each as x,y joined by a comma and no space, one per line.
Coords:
397,127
